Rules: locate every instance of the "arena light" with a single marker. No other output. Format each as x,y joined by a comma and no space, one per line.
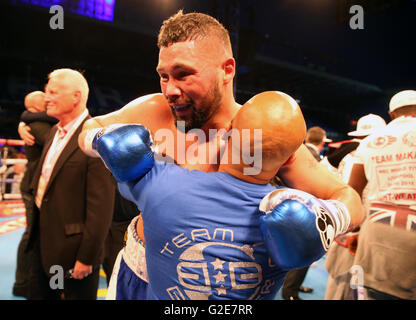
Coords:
11,142
96,9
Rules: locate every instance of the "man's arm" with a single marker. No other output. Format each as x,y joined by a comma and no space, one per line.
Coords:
306,174
145,110
298,227
357,179
41,131
29,117
25,135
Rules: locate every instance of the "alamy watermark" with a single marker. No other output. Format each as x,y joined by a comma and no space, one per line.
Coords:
357,281
57,20
58,276
246,144
357,20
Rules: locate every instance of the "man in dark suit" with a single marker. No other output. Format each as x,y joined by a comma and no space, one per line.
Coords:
39,124
74,200
315,141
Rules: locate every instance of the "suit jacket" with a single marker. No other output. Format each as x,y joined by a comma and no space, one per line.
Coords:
40,130
77,208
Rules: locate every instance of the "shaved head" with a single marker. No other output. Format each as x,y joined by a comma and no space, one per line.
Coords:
35,101
282,129
281,121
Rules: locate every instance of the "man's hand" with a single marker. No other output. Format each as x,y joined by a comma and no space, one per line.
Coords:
81,270
352,242
25,135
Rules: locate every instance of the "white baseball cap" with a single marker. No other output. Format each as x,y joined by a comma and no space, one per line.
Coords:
367,125
402,98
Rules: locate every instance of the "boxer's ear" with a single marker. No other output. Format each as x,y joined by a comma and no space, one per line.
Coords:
290,160
229,70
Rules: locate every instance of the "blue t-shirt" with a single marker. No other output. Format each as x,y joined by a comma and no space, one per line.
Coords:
203,239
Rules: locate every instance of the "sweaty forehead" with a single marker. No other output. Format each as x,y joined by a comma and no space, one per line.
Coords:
177,52
189,52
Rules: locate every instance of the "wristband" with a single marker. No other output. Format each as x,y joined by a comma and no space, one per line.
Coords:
341,216
88,140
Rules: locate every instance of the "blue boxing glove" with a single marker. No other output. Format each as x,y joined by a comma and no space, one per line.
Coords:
298,228
126,150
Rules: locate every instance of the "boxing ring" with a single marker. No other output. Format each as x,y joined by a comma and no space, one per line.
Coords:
9,180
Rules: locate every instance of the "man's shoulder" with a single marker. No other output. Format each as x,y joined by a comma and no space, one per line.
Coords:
151,97
149,101
151,110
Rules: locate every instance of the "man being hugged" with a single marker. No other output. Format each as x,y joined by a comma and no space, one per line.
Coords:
206,236
196,69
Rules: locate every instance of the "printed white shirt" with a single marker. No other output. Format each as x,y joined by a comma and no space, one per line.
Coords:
389,159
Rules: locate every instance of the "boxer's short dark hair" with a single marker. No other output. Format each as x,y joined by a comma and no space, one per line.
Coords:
190,26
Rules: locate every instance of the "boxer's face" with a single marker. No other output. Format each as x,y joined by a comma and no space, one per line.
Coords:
189,79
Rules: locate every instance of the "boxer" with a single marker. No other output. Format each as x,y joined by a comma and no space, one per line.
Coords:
182,221
196,69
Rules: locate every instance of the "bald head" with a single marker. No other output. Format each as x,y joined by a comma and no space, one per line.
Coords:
281,128
280,119
35,101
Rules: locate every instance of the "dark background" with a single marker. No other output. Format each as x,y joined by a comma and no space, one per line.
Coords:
302,47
